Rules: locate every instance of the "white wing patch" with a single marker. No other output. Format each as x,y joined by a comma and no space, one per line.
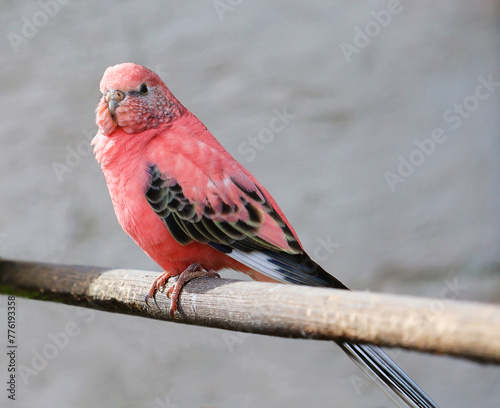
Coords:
261,263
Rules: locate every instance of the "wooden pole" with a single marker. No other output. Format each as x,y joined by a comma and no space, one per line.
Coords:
463,329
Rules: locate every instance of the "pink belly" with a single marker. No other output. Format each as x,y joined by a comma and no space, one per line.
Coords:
152,235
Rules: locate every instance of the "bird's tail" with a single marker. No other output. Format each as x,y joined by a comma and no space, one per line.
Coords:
387,375
301,270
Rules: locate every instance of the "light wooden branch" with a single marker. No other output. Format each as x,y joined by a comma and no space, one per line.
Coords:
463,329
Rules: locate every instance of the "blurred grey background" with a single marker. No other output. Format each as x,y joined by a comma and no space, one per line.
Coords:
367,82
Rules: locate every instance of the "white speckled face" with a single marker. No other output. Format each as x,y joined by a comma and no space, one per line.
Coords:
134,99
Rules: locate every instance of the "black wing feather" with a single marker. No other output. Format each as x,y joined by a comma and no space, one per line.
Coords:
166,198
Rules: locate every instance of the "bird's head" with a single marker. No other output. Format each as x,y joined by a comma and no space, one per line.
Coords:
134,99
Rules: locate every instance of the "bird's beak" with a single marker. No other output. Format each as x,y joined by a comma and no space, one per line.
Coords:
113,99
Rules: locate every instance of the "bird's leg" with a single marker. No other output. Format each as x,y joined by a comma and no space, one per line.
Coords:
193,271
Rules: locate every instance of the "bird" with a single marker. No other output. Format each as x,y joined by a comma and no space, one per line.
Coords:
194,209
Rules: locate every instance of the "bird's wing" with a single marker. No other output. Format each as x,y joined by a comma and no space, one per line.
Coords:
230,212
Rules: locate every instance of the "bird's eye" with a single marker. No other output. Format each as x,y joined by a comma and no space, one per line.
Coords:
144,89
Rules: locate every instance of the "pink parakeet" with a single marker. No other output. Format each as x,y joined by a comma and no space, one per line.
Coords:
195,210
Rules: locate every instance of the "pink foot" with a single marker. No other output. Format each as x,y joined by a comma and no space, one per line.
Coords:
158,285
193,271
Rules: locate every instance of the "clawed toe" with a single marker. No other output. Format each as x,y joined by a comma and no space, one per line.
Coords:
169,291
192,272
158,285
